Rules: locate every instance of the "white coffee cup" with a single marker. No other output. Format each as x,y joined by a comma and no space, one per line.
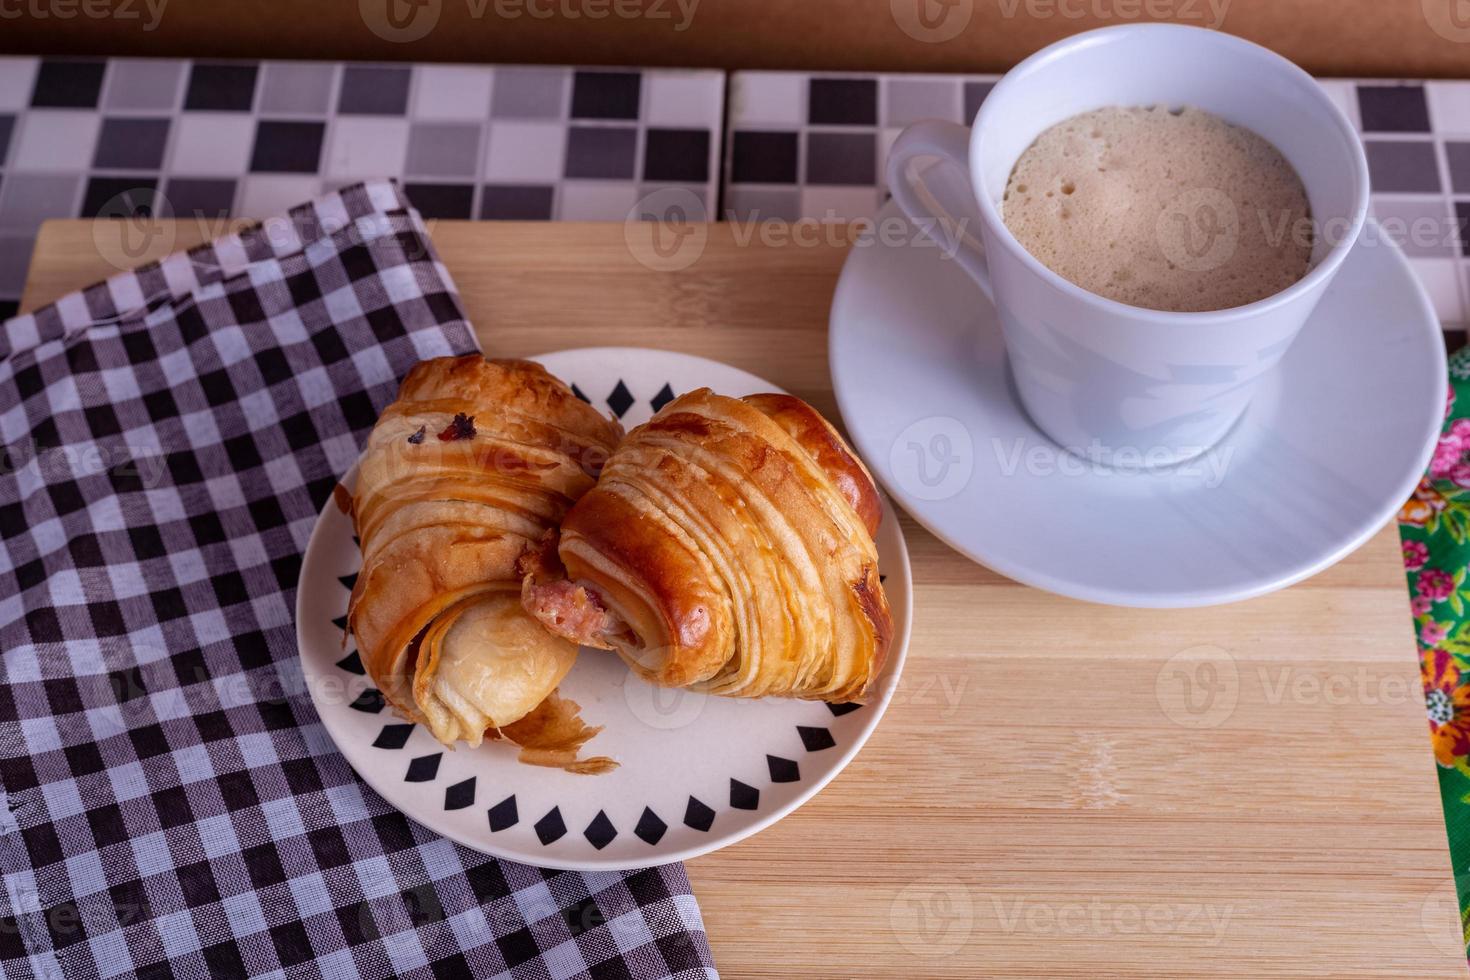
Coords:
1113,382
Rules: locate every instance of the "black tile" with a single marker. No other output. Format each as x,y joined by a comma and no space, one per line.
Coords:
369,90
7,126
287,147
650,827
200,197
67,84
676,154
815,739
605,152
120,197
842,101
226,88
783,770
841,158
503,814
8,308
516,202
743,796
1393,108
131,144
1402,166
605,94
760,157
551,827
600,832
975,93
442,200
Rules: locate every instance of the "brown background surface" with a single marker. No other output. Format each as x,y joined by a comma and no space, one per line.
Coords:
1410,38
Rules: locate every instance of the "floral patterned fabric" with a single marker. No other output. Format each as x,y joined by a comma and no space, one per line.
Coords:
1434,526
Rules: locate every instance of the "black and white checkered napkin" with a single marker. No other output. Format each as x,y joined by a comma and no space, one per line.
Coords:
173,806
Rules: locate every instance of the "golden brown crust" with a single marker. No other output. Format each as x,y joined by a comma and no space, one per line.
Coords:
473,462
730,543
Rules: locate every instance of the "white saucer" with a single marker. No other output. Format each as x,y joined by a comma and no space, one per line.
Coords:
1331,446
695,773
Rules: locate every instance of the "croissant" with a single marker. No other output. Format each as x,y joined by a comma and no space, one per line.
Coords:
727,547
472,463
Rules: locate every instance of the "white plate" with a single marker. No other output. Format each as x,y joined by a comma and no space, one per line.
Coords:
697,772
1334,442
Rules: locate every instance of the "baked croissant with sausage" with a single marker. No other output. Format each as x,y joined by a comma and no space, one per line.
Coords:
727,547
473,462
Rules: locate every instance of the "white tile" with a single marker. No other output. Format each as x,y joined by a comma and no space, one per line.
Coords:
600,201
56,139
1345,94
17,76
367,147
839,203
265,195
759,98
683,100
1449,107
212,144
525,151
452,92
1440,280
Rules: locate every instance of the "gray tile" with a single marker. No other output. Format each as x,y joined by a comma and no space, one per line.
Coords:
443,149
841,158
15,258
602,151
666,202
516,202
370,90
1419,227
912,99
131,144
975,93
28,199
289,86
143,84
1402,166
528,93
1459,159
761,204
200,197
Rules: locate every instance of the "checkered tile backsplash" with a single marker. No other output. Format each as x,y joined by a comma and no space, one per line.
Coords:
82,138
802,145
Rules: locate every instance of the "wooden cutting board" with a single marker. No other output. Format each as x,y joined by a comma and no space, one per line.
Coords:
1054,791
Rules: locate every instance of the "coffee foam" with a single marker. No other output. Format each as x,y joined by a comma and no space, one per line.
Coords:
1169,209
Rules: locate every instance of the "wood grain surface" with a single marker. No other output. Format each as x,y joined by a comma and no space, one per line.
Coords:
1407,38
1059,789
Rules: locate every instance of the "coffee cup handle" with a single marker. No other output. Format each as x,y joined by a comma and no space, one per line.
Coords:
949,142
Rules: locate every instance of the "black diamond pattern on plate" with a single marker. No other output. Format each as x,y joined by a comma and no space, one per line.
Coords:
620,400
504,814
815,739
743,797
664,396
340,622
370,701
650,827
782,770
600,832
352,663
423,768
460,795
393,737
348,580
698,816
578,392
550,827
838,710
